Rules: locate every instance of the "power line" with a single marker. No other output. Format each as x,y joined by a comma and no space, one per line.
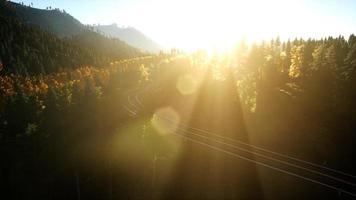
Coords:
267,165
265,156
272,152
266,150
271,158
275,153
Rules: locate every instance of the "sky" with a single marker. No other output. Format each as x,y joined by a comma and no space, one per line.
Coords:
194,24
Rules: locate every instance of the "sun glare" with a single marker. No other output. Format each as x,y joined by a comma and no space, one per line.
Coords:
177,99
196,24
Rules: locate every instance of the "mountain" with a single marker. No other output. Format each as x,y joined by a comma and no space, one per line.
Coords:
64,25
130,35
54,20
28,49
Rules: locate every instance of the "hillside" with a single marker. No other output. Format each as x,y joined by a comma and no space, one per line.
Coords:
53,20
130,35
64,25
28,49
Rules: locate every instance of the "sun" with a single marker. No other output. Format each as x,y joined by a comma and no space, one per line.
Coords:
219,24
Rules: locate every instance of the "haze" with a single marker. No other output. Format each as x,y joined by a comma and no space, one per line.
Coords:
197,24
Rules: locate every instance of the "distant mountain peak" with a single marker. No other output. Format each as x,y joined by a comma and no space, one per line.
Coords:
130,35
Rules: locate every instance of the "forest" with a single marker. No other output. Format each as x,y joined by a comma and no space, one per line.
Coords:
295,96
103,120
26,49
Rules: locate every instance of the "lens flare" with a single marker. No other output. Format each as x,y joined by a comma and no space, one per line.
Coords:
186,85
165,120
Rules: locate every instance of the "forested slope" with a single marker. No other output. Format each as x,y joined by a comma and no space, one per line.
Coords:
28,49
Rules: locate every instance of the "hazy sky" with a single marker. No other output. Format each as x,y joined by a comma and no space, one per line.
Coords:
192,24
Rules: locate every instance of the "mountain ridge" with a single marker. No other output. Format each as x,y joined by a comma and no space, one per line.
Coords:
130,35
54,20
26,48
64,24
